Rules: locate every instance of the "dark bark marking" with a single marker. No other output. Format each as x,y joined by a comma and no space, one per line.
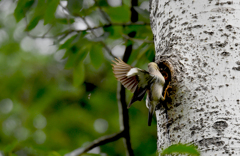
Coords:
211,113
225,53
222,3
238,63
236,68
208,32
229,27
192,133
185,23
220,126
179,127
222,45
200,110
167,3
194,127
177,104
211,141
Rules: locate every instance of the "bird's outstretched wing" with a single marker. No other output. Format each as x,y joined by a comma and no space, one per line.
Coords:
120,70
134,79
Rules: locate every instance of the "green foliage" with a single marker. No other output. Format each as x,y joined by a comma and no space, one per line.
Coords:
78,74
33,23
57,97
102,2
51,8
54,153
118,14
74,6
142,12
89,154
96,55
22,7
181,149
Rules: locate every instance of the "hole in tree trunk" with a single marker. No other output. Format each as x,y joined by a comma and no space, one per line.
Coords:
167,71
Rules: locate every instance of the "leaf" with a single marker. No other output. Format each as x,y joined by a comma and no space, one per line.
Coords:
37,15
102,3
181,149
150,53
78,74
131,28
127,3
75,55
50,11
77,49
75,6
135,53
115,32
22,7
141,57
96,56
54,153
82,54
71,59
65,21
142,12
10,147
118,14
33,23
91,154
69,42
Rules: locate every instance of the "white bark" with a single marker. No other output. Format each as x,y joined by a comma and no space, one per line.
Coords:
201,39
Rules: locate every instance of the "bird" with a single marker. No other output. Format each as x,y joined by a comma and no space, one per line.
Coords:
140,82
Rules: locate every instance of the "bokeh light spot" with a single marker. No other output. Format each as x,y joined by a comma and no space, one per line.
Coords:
40,121
114,3
39,137
10,124
6,106
118,50
21,133
101,125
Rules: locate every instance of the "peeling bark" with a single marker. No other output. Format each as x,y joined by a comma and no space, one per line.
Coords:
200,38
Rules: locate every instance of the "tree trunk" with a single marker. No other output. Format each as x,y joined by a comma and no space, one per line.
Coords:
200,40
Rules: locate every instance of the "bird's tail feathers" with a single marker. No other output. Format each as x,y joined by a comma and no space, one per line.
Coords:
150,114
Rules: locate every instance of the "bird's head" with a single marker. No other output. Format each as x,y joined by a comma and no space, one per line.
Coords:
153,65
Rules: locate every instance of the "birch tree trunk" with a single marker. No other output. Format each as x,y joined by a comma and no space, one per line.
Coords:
200,39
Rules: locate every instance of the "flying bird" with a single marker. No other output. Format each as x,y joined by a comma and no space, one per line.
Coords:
139,82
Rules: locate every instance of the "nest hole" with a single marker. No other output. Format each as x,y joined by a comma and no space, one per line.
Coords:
167,72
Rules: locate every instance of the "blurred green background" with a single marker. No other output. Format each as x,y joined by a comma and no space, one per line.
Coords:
57,91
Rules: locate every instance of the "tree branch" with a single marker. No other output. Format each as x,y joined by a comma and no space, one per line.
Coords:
139,23
98,142
102,12
124,118
104,44
136,40
122,105
66,15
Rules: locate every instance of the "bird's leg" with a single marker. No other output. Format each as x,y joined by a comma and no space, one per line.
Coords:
165,93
